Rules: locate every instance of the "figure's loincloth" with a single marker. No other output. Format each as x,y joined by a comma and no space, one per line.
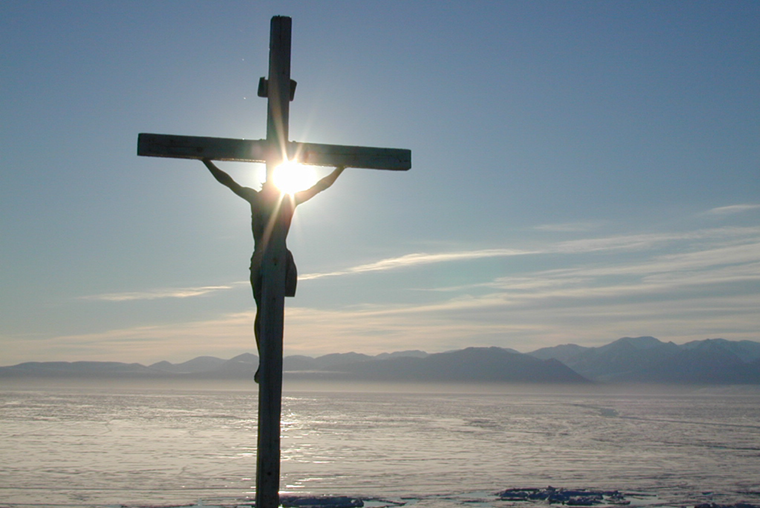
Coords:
291,275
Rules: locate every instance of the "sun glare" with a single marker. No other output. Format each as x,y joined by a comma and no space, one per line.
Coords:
291,177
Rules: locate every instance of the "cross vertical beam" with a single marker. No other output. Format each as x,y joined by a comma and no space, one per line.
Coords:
278,92
273,276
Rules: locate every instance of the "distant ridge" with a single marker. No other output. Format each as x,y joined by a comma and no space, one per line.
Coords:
649,360
493,365
87,370
200,364
475,365
629,359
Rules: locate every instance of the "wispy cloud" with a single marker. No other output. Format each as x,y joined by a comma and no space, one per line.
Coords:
418,259
569,227
616,243
225,336
158,294
733,209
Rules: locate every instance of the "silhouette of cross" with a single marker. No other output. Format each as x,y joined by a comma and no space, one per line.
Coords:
279,90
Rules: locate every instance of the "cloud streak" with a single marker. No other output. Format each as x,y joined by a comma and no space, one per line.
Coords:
580,246
421,259
226,335
158,294
733,209
615,243
570,227
418,259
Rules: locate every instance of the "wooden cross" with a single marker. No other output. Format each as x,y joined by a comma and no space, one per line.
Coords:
279,90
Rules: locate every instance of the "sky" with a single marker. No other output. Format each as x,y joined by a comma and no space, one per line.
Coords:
581,172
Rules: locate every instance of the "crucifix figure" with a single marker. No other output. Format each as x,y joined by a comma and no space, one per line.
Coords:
270,206
272,257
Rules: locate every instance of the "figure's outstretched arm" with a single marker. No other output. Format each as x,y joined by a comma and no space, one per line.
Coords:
226,179
318,187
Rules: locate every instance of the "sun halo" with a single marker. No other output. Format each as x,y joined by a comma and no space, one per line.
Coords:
291,177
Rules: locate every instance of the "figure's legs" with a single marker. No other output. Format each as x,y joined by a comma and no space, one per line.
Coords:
256,326
291,274
256,285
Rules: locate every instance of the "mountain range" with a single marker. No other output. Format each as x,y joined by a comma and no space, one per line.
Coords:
649,360
626,360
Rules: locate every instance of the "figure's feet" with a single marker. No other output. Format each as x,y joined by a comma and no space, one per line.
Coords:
256,376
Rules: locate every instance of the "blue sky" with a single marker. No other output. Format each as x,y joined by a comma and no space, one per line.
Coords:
582,171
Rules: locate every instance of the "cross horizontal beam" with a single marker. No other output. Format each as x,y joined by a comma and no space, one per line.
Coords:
194,147
255,150
394,159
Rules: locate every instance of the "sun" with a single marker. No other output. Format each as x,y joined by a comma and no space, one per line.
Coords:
291,177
